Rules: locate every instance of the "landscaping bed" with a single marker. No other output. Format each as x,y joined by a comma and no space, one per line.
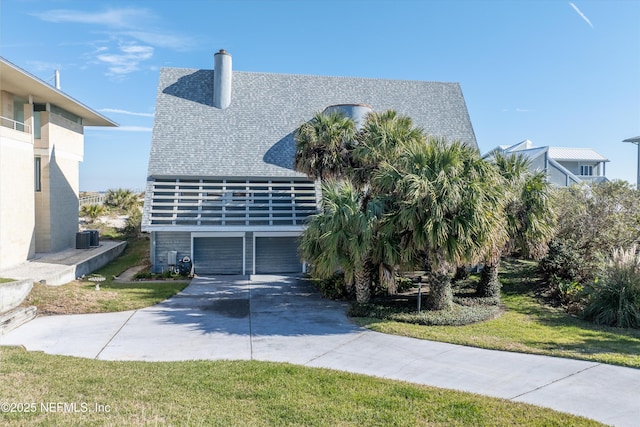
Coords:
528,325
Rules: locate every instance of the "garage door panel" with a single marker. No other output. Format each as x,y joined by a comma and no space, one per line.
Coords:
217,255
277,255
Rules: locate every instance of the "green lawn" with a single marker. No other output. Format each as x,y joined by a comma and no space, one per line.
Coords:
81,296
244,393
529,326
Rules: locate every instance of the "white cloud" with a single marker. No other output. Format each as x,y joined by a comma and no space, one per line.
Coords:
129,113
582,15
126,60
117,18
171,41
132,36
42,66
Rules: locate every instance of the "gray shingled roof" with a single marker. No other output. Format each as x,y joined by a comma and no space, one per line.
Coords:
254,136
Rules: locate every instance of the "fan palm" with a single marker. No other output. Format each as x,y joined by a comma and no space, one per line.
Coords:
340,237
448,204
321,145
528,214
121,198
382,138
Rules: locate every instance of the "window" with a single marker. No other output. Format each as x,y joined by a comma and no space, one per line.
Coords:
38,173
586,170
37,119
66,114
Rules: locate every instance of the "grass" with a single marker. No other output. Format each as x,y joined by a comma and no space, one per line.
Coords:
80,296
248,393
6,280
136,253
529,326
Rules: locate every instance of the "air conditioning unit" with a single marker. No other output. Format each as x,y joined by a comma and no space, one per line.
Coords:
95,237
172,258
83,240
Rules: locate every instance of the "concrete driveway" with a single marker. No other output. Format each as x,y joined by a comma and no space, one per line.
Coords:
276,318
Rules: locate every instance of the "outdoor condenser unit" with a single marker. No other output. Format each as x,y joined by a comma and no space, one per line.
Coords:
172,258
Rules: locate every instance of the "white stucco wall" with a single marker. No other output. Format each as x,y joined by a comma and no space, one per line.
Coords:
17,218
61,148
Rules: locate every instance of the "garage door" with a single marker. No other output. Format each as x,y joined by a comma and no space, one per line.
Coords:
217,255
277,255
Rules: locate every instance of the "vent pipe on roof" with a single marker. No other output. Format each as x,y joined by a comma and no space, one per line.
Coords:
356,112
57,79
222,79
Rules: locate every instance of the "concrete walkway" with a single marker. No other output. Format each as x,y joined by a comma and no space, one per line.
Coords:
59,268
282,319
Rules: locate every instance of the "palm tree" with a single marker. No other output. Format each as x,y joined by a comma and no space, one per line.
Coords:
92,211
121,198
381,139
528,215
448,204
340,237
322,145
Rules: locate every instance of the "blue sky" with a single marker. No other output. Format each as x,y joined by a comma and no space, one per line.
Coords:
555,72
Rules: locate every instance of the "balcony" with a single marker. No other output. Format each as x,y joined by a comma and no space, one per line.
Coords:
594,179
232,202
15,125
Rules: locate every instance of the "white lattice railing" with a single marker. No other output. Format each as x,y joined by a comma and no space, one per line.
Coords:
232,202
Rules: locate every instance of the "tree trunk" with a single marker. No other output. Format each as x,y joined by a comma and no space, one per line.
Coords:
440,294
363,283
461,273
489,284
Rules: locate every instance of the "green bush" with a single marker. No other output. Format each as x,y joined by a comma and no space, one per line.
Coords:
92,211
456,315
332,288
121,198
477,301
563,263
615,299
134,221
570,292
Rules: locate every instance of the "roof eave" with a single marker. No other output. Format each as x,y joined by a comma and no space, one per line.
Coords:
20,82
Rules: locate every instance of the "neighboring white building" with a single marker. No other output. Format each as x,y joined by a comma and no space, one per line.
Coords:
41,146
563,165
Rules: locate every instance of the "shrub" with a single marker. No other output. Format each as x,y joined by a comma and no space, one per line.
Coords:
570,292
563,262
134,221
615,299
121,198
456,315
333,287
593,220
92,211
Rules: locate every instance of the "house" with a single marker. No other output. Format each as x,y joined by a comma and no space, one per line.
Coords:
221,187
563,165
41,146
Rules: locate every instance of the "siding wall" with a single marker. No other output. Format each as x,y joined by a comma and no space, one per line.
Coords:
169,241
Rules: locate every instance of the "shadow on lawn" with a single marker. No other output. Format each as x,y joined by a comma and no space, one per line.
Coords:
522,289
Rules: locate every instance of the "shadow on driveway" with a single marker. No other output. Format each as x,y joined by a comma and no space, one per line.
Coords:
260,305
